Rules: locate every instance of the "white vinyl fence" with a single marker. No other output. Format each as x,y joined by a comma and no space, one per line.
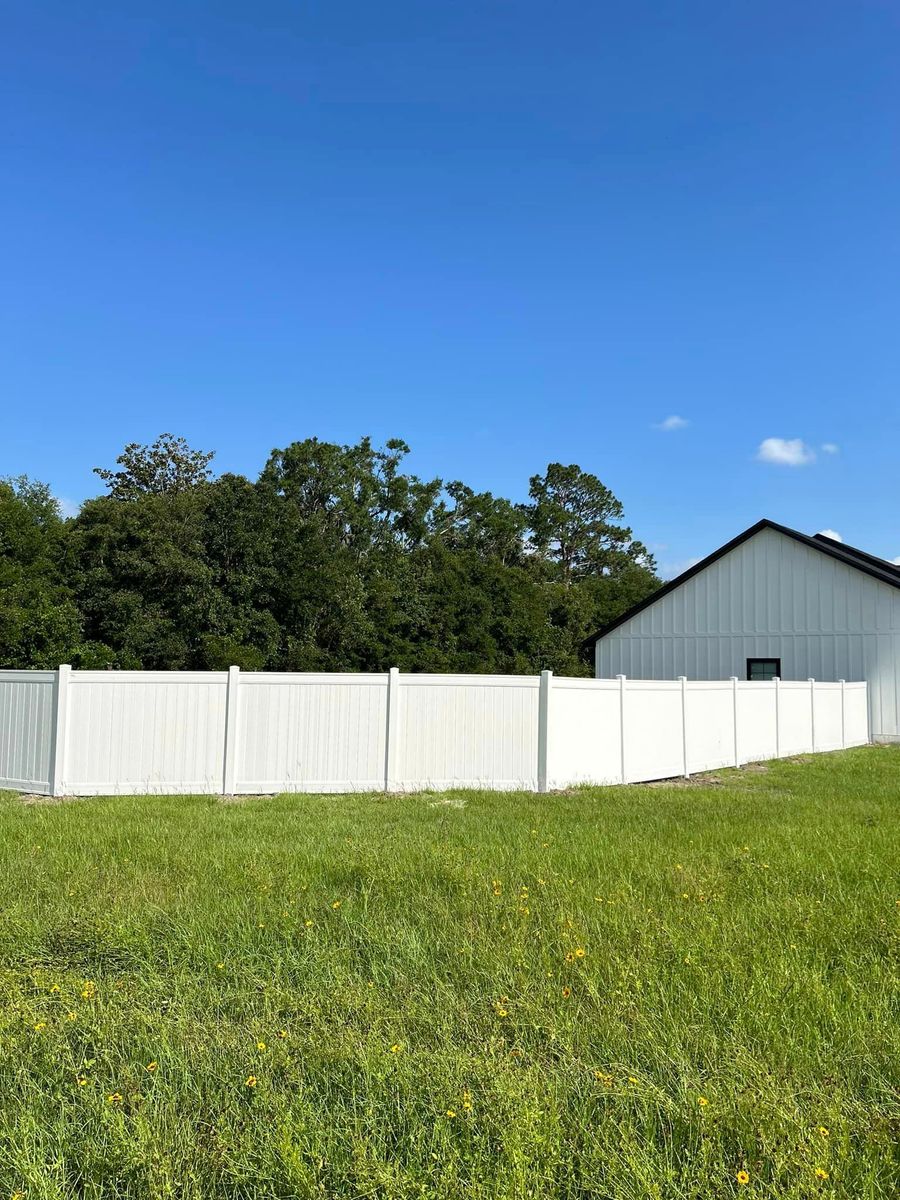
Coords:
105,732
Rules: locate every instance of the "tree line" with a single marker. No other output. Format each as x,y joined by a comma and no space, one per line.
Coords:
335,558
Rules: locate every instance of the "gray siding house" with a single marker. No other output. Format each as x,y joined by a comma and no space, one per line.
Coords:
771,602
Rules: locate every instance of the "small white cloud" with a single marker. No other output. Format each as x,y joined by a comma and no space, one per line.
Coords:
785,452
672,423
896,561
831,533
68,508
829,448
674,569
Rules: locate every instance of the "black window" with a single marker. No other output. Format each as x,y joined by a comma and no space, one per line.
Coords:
763,668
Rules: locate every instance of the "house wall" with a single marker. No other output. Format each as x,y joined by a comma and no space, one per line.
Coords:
770,597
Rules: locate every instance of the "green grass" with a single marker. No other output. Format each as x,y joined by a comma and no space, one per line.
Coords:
402,976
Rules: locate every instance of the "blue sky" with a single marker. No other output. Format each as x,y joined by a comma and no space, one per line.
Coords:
507,232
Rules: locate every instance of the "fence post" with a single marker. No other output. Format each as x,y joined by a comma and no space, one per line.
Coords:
543,765
622,681
392,734
777,682
812,712
684,751
843,684
734,711
60,731
229,769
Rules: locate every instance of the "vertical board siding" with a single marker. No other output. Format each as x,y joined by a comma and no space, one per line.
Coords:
314,733
26,729
770,597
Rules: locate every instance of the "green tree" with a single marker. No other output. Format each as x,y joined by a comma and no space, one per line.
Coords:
40,625
165,468
573,519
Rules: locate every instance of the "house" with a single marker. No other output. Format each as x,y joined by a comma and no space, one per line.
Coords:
771,602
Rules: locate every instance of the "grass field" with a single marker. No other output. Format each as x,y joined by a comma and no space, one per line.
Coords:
624,992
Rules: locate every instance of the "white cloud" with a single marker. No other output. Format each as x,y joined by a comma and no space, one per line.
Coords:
672,423
785,452
896,561
673,569
831,533
68,508
829,448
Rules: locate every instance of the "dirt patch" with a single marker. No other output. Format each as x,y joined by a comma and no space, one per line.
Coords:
693,781
35,798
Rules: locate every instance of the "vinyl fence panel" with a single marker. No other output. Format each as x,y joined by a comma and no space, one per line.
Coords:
311,733
856,714
90,732
795,718
134,732
756,722
585,732
654,735
468,731
26,730
710,725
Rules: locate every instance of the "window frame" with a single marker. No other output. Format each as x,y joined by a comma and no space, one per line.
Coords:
769,658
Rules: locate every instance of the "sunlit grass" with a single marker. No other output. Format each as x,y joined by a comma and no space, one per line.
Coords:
623,993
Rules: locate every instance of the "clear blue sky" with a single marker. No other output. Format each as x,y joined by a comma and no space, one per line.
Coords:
508,232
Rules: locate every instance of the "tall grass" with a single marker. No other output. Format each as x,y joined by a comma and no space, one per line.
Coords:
622,993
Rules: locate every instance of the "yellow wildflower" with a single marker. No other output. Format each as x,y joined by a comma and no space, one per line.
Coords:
260,1045
337,904
395,1049
250,1081
114,1098
450,1112
151,1066
580,952
567,992
702,1101
823,1132
743,1177
821,1173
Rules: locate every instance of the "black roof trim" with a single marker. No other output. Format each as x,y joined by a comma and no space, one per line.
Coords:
878,568
872,559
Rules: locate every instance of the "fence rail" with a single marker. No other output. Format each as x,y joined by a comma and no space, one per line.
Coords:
86,733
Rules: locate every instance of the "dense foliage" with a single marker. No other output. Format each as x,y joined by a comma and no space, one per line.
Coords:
335,558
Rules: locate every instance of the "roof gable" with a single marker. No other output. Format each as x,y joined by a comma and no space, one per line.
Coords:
868,564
